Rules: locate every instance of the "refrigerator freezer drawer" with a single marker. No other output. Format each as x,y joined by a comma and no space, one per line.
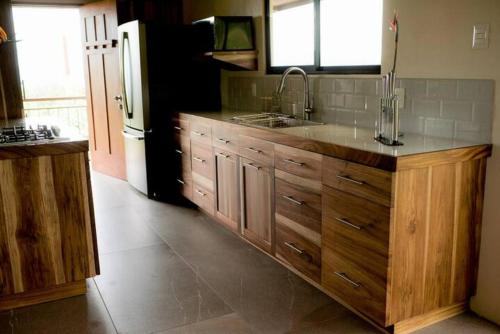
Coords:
135,152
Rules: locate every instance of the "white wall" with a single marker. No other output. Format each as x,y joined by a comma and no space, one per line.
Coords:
435,42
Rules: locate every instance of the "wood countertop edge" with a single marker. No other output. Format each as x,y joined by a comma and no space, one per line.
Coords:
45,149
367,158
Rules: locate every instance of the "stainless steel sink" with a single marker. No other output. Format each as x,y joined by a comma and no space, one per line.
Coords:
272,120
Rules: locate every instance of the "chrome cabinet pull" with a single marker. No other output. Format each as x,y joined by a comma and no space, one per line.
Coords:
199,192
254,150
294,248
199,160
179,151
178,128
348,179
251,165
348,223
293,200
347,279
290,161
201,134
181,182
222,140
225,156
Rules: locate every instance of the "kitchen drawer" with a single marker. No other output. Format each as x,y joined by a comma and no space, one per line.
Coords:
203,198
298,204
225,137
186,184
367,182
181,126
202,160
183,151
299,252
354,285
298,162
258,150
357,229
201,132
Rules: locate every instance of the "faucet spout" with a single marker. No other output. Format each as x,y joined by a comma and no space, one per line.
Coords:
307,101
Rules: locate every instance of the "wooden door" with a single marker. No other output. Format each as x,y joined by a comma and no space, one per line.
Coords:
100,47
257,189
227,204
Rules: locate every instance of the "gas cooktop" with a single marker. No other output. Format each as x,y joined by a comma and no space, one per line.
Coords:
17,134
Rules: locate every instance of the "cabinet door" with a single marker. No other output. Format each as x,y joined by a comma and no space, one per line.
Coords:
257,189
227,205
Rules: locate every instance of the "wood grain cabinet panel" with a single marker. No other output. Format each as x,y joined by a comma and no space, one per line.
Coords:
47,231
203,197
201,132
202,160
367,182
227,189
298,162
298,251
257,150
225,137
181,127
257,207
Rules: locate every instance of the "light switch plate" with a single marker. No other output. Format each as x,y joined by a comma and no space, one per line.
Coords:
400,93
481,36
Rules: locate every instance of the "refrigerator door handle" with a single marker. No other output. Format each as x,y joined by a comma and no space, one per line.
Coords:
126,106
131,136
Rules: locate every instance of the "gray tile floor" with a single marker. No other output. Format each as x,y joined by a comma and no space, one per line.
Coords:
168,269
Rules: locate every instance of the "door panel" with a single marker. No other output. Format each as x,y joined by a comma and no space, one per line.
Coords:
100,47
227,205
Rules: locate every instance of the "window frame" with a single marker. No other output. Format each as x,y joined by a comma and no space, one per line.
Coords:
316,68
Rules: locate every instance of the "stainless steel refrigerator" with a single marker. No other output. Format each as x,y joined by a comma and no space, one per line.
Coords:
161,73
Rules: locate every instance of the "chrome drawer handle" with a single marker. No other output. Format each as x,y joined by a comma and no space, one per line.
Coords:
199,192
181,182
348,179
179,151
293,247
198,133
225,156
346,222
252,166
347,279
254,150
290,161
222,140
178,128
293,200
199,160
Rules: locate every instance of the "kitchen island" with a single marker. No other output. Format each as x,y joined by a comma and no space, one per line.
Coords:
392,233
47,232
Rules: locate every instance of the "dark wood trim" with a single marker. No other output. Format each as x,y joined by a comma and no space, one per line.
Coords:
30,151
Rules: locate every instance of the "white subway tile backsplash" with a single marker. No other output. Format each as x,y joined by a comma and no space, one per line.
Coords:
426,108
344,85
457,109
357,102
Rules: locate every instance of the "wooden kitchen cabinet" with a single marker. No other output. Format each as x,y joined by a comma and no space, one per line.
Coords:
227,206
257,203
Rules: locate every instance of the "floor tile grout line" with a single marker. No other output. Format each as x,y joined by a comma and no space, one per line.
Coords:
105,306
201,278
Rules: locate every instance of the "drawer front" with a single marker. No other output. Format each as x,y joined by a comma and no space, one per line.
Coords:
298,251
358,229
185,183
225,138
367,182
183,151
298,162
201,133
203,198
257,150
181,126
202,161
354,285
298,204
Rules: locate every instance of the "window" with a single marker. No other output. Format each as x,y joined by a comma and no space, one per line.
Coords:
51,64
324,36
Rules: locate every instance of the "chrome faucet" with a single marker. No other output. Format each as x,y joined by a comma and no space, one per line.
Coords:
307,101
